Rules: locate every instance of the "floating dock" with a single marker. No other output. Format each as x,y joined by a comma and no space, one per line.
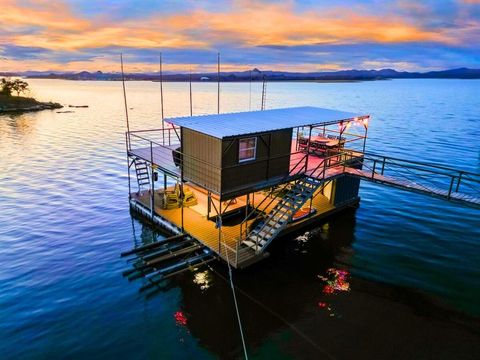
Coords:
228,185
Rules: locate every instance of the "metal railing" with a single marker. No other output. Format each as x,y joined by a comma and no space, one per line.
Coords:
318,172
426,177
173,161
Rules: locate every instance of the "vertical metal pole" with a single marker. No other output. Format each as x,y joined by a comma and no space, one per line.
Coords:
458,182
191,106
152,186
181,191
128,168
182,195
219,223
250,94
129,181
373,170
296,142
451,187
209,204
164,182
161,98
264,93
365,138
218,83
125,101
308,148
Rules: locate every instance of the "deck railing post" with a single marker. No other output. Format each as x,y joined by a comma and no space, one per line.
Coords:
152,186
236,254
128,168
219,225
373,169
458,182
451,186
383,165
308,148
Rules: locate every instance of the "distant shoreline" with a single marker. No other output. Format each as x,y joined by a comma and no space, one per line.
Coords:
258,76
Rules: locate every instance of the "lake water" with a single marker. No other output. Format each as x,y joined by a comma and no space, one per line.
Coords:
412,262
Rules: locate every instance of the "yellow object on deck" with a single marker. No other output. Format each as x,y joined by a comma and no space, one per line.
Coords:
171,198
189,198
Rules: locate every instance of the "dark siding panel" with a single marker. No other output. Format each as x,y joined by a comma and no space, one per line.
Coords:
268,164
202,156
346,188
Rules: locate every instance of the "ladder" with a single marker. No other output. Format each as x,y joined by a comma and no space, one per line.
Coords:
141,170
283,212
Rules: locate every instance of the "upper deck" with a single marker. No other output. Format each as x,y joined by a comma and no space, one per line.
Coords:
233,154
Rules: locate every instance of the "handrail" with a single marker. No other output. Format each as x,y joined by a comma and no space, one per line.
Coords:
448,180
152,130
178,152
323,165
312,171
278,210
434,165
266,197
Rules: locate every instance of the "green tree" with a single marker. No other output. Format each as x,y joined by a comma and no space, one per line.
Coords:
7,86
20,86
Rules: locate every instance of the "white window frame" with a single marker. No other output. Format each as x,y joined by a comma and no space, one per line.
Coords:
250,148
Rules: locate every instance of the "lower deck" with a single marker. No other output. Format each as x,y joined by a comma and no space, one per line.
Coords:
199,223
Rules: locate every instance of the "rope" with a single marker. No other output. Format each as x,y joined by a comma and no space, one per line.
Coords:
235,299
279,317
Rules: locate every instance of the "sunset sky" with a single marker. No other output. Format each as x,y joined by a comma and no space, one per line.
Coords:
308,35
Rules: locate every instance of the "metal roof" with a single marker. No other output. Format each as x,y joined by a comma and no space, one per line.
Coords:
252,122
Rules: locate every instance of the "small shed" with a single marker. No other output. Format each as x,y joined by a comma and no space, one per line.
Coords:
235,153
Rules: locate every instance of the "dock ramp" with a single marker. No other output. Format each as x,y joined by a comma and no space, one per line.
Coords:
435,180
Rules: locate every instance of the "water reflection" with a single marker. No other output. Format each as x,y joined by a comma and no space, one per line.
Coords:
264,290
305,299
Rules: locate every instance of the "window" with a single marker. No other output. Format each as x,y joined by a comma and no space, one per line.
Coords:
247,149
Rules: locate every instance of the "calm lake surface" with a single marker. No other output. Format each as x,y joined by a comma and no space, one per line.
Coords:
412,262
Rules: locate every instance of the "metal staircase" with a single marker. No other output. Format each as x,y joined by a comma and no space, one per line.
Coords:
141,170
283,212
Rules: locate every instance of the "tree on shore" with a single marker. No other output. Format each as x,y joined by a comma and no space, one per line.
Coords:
8,86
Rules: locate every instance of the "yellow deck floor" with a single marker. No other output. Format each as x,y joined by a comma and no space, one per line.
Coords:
197,225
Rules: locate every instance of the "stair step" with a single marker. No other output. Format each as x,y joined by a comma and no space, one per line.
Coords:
249,243
275,224
266,235
261,240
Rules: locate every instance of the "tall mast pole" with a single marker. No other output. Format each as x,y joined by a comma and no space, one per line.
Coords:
161,97
250,95
125,100
191,106
218,83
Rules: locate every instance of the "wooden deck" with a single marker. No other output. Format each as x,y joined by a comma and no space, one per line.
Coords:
158,155
196,223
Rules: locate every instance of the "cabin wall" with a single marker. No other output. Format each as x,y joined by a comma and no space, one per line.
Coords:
272,161
345,188
201,159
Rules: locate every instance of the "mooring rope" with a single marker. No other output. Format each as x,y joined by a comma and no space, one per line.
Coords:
232,286
279,317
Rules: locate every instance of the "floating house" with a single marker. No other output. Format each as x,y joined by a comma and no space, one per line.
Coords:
233,183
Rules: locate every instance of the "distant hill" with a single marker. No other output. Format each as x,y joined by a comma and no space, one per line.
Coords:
256,74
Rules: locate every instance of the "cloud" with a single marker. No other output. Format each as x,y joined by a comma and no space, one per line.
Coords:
82,33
